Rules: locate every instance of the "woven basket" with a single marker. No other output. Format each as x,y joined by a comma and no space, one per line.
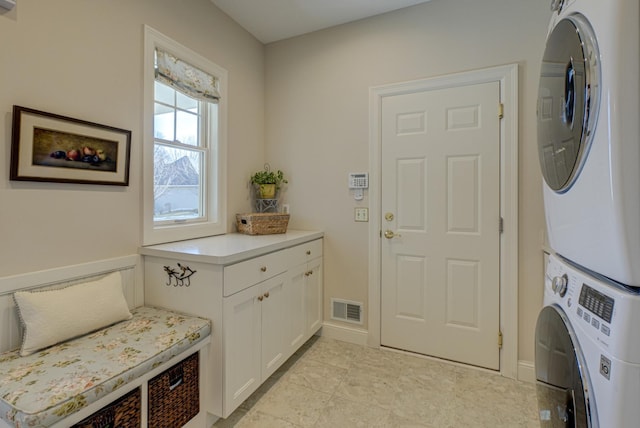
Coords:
174,395
262,223
122,413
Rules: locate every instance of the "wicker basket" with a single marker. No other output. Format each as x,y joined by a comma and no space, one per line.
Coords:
122,413
174,395
262,223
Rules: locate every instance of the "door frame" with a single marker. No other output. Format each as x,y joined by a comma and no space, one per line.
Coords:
507,76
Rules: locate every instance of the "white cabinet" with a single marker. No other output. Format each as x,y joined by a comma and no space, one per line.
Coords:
263,296
313,294
254,322
296,334
305,292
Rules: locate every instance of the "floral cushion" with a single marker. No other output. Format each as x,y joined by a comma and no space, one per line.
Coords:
41,389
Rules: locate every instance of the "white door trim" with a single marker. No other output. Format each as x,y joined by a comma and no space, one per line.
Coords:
507,76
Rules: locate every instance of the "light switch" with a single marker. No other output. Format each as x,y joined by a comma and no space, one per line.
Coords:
361,214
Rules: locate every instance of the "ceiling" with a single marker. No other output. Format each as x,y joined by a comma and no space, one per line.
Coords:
272,20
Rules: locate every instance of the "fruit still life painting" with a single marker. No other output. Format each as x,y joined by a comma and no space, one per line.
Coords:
68,150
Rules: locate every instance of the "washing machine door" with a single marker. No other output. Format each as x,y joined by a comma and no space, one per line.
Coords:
568,100
563,386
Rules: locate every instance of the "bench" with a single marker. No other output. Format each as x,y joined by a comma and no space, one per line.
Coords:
65,383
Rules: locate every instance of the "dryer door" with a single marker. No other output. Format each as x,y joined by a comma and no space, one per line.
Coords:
562,385
568,99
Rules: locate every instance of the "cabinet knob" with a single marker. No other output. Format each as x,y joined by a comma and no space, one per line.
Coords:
263,269
308,273
308,252
260,298
266,295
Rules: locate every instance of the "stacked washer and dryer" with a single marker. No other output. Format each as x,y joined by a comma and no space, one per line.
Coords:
587,351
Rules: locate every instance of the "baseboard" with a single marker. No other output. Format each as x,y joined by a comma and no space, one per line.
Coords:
345,334
526,371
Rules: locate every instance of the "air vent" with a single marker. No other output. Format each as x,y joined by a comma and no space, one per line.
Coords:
345,310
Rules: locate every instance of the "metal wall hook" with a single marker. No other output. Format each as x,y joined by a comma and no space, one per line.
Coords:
179,277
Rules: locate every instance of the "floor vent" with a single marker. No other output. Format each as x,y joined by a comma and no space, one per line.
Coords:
345,310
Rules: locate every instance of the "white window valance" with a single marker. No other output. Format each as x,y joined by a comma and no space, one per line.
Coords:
186,78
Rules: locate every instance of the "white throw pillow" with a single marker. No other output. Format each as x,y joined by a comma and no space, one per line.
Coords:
53,316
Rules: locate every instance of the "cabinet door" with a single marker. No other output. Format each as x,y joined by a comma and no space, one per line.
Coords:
275,314
242,346
313,296
297,324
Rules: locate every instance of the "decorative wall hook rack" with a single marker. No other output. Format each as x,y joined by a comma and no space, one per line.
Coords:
180,276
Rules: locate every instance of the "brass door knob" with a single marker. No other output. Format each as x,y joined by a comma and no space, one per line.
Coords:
266,295
260,298
263,269
389,234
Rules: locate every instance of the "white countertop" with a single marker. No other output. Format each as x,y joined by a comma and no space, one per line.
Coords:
229,248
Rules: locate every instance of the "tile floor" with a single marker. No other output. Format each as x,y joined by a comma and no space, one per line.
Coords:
334,384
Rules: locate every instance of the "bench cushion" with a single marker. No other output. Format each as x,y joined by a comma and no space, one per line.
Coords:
42,388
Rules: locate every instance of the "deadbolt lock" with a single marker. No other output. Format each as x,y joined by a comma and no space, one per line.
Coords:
388,216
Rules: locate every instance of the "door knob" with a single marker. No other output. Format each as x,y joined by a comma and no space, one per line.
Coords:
389,234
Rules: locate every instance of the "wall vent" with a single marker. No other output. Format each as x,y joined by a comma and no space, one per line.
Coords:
345,310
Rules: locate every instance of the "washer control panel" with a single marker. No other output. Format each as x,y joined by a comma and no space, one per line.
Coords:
598,303
573,291
602,312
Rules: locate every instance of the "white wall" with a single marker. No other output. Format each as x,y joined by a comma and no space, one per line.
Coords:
317,111
83,59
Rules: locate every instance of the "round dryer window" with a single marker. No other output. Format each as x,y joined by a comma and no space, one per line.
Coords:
568,99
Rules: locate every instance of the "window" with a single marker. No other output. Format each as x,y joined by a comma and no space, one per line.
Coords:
184,144
180,155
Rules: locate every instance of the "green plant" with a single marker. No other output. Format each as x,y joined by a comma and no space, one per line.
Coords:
266,176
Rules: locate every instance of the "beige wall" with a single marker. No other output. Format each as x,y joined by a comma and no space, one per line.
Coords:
84,59
317,112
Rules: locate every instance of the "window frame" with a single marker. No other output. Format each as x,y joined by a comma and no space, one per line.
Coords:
160,233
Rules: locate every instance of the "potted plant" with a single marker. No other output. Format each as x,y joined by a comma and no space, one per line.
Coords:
268,182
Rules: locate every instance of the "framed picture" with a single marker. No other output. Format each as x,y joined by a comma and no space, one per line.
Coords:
50,147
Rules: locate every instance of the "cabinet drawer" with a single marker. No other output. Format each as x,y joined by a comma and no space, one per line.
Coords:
304,252
250,272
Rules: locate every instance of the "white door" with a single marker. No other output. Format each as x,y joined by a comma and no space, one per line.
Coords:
440,215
